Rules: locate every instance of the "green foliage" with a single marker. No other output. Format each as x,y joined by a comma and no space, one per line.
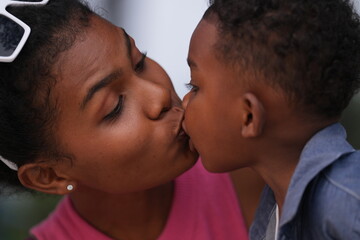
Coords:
19,212
351,121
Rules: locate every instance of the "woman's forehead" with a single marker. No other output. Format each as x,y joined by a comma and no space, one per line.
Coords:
100,47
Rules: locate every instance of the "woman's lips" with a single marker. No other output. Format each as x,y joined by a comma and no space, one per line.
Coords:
181,132
184,137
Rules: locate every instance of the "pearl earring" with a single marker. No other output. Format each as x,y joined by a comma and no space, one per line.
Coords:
70,187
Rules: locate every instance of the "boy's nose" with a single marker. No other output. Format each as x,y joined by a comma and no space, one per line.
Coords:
185,101
184,105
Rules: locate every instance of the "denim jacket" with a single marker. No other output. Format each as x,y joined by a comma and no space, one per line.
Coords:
323,198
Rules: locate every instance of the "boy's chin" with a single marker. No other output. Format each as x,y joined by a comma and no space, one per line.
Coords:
216,165
210,166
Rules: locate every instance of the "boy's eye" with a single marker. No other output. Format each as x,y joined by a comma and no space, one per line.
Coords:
115,113
139,67
191,87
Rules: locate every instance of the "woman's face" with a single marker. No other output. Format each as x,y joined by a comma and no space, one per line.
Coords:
119,116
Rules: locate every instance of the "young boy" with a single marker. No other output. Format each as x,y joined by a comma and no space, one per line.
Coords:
269,81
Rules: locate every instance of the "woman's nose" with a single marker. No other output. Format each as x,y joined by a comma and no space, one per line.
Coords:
156,99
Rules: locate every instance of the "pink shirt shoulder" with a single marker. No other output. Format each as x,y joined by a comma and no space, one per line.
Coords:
205,207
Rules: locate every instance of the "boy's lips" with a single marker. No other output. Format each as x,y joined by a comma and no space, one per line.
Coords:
183,124
191,144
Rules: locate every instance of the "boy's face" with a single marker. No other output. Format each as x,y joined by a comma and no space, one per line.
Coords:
213,106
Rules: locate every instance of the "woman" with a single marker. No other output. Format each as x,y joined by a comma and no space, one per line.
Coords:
85,114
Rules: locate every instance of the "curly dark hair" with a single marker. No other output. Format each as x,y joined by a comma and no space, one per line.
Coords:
308,48
27,109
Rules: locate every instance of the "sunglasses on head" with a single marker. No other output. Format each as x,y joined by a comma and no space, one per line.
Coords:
13,32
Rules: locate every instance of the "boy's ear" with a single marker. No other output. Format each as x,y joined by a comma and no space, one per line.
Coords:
253,116
43,177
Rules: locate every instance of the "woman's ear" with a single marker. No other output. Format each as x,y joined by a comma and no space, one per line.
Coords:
44,178
253,116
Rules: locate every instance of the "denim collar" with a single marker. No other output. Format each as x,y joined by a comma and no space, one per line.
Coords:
321,150
263,213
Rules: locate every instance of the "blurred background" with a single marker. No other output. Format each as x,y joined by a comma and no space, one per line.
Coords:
163,29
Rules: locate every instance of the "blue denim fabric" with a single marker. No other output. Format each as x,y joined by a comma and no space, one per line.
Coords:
323,199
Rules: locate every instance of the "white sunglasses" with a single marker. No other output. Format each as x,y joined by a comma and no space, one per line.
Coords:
13,32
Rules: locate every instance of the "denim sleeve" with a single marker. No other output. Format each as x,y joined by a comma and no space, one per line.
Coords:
334,205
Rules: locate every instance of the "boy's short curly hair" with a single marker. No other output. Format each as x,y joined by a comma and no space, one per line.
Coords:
309,49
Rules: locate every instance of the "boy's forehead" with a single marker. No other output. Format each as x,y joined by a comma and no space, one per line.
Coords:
203,39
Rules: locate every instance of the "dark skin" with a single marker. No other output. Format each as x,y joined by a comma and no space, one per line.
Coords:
247,123
120,120
248,185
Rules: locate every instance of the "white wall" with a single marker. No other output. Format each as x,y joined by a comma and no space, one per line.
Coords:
357,4
162,28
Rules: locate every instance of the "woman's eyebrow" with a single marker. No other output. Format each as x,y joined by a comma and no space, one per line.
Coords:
108,79
99,85
128,42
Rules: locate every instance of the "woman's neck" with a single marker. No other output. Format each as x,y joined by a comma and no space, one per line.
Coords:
140,215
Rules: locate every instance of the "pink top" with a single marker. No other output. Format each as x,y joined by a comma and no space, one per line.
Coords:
204,207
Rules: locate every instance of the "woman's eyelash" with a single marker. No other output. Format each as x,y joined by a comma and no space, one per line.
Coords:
139,67
115,113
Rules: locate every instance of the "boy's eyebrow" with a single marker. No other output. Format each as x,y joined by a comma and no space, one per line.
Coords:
191,63
99,85
108,79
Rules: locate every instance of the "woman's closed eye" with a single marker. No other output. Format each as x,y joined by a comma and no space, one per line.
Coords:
116,112
139,67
